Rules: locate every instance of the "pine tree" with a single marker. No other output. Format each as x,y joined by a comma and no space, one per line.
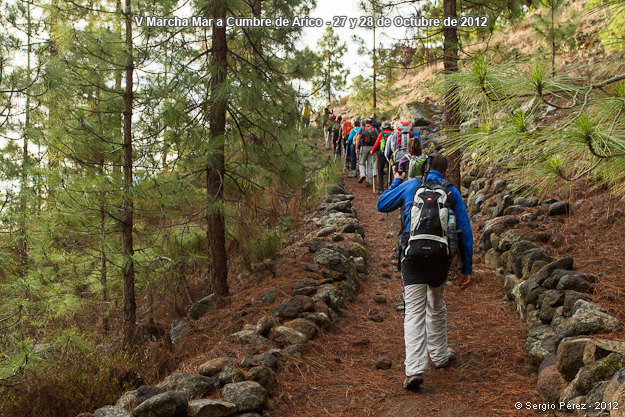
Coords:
554,30
330,75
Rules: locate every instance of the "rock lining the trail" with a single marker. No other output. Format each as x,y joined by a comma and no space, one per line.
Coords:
551,297
317,303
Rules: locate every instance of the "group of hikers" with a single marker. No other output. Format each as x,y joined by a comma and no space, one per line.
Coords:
375,147
435,226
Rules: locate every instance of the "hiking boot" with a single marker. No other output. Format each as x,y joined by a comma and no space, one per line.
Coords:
449,360
412,383
361,179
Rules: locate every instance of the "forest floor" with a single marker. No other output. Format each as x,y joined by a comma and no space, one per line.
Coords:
337,375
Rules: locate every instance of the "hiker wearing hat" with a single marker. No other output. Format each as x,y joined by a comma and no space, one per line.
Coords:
378,151
336,136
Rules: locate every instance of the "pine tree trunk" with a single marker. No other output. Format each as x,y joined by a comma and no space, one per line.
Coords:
553,41
215,172
375,72
25,159
128,270
452,117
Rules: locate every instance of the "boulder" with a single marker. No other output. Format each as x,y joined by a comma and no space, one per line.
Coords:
548,302
517,251
177,329
264,325
616,388
168,404
332,260
230,374
498,225
189,385
546,271
540,343
214,366
513,210
268,297
320,319
576,282
383,362
558,208
498,185
211,408
284,336
587,320
264,376
302,303
491,259
508,238
550,384
200,308
305,327
247,395
337,189
250,337
111,411
570,298
268,360
326,231
509,283
360,264
145,392
329,294
601,370
285,310
414,113
530,290
530,257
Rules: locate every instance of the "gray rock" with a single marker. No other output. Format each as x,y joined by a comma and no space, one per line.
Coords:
589,321
264,325
508,238
360,264
546,271
498,185
128,399
203,306
589,375
111,411
498,225
539,344
530,290
570,297
189,385
616,385
304,283
510,281
168,404
576,282
145,392
252,338
329,294
379,298
558,208
531,256
284,336
332,260
517,250
230,374
376,318
305,327
337,189
326,231
247,395
214,366
285,310
307,291
555,277
491,258
211,408
310,267
302,303
513,210
268,297
340,206
570,355
320,319
248,362
295,351
177,329
548,302
268,360
264,376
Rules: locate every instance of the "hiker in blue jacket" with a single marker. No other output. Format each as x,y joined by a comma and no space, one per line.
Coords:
425,313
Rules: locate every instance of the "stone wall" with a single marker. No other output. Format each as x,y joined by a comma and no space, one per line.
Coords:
577,373
226,387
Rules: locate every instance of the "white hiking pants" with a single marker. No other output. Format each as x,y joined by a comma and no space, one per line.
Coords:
366,163
328,140
425,327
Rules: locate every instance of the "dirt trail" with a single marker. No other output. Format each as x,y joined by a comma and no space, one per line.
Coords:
337,375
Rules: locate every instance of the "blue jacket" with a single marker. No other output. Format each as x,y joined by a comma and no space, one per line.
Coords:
400,194
352,134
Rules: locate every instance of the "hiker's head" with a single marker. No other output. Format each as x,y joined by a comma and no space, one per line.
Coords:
357,123
367,122
387,126
326,110
438,163
332,117
339,119
414,147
